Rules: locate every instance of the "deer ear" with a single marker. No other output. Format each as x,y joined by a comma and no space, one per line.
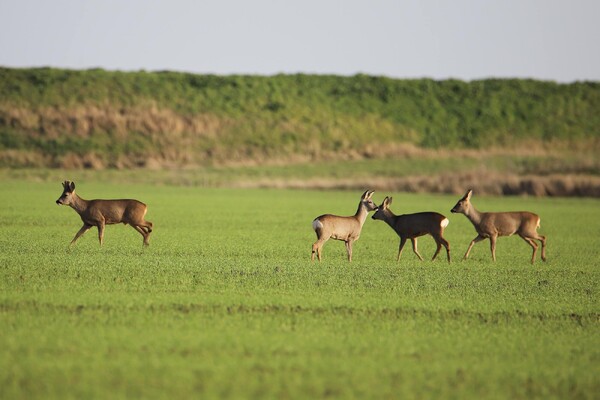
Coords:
364,195
386,202
468,194
370,194
389,201
72,186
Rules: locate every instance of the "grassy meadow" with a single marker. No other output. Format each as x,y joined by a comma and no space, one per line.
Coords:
226,303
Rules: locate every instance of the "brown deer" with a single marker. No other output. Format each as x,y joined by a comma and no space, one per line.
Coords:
493,224
348,229
105,212
412,226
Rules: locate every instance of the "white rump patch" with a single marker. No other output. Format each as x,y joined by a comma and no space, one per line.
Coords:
317,224
444,222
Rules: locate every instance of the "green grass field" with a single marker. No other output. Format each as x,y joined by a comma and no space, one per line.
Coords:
225,302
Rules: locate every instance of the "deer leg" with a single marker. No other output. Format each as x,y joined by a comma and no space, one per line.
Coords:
148,225
148,231
402,243
446,244
414,246
83,230
437,250
316,248
101,225
479,238
101,232
145,225
533,245
440,241
542,240
349,249
320,249
145,234
493,246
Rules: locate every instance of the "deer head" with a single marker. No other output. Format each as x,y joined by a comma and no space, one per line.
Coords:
67,195
367,202
463,204
383,210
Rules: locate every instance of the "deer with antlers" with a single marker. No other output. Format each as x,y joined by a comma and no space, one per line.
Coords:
99,213
346,229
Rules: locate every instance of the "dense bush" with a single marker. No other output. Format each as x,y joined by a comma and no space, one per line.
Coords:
186,117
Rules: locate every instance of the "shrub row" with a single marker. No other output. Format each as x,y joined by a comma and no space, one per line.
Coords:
194,118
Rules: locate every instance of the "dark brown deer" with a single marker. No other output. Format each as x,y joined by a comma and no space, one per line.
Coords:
346,229
493,224
99,213
412,226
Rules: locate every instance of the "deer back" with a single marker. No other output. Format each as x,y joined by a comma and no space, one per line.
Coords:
338,227
126,211
419,223
508,223
411,225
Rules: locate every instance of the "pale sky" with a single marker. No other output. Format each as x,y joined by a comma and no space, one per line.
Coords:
555,40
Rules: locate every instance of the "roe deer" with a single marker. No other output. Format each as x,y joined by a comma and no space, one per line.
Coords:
342,228
105,212
494,224
411,226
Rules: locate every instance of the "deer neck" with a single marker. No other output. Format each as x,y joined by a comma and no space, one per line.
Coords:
473,215
390,218
361,214
78,204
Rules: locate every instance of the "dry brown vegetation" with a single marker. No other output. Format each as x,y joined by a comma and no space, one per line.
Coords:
156,138
85,121
450,183
175,136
